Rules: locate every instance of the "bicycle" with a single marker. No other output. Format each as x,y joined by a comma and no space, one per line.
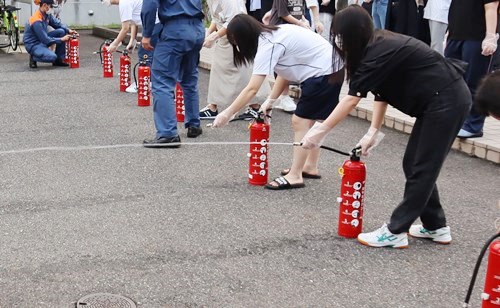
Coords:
9,25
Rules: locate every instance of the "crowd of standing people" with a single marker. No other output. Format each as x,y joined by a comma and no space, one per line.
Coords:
317,44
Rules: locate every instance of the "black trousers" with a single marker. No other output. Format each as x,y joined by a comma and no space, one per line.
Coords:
430,141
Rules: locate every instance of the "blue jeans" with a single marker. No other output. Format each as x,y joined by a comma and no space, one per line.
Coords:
154,40
379,12
41,53
176,58
470,52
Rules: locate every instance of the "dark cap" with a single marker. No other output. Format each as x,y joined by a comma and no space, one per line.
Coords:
49,2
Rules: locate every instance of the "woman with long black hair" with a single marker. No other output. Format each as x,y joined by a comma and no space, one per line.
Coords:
406,73
298,55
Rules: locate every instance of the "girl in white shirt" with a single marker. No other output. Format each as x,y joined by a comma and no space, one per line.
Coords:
297,55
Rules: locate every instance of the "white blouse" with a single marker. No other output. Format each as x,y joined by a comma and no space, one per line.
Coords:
223,11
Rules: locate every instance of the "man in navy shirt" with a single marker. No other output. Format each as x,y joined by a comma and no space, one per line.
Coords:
176,57
37,39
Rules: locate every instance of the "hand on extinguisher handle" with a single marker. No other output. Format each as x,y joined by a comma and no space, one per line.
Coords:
267,105
370,140
315,137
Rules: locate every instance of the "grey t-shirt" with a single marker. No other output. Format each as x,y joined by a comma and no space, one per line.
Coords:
282,8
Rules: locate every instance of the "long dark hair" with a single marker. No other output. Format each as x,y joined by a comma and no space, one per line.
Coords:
243,33
487,96
352,29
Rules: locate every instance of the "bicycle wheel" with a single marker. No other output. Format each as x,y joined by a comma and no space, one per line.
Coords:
14,34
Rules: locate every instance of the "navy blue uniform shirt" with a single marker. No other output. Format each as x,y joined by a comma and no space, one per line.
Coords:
167,10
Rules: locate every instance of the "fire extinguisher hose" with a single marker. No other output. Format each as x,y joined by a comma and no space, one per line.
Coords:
135,74
100,50
476,269
330,149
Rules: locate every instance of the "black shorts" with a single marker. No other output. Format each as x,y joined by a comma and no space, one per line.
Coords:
318,99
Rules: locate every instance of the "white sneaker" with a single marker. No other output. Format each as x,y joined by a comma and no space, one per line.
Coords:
285,103
132,88
441,235
382,237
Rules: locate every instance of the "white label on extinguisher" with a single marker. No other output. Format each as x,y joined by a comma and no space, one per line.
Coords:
355,214
357,185
356,195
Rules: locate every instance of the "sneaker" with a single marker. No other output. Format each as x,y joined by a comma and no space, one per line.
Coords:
285,103
163,142
207,114
249,114
466,134
194,131
441,235
382,237
32,63
132,88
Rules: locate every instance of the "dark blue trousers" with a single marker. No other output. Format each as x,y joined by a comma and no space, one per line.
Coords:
42,53
470,52
176,58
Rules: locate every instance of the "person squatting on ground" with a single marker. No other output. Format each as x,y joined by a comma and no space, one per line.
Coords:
226,80
291,12
130,17
296,54
39,41
473,42
175,58
404,72
487,99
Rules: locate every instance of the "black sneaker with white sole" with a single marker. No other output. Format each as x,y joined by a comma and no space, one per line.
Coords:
207,114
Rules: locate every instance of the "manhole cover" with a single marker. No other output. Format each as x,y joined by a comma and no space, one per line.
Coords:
105,300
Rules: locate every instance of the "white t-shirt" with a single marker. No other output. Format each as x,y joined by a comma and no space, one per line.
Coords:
437,10
294,53
130,10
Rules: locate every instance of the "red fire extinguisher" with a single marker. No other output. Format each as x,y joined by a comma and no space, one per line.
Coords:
107,60
179,103
125,64
352,192
491,293
259,140
143,82
74,52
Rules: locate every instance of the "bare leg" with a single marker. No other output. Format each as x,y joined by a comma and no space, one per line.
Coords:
300,155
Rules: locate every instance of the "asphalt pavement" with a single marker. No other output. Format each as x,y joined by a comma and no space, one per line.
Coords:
183,228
